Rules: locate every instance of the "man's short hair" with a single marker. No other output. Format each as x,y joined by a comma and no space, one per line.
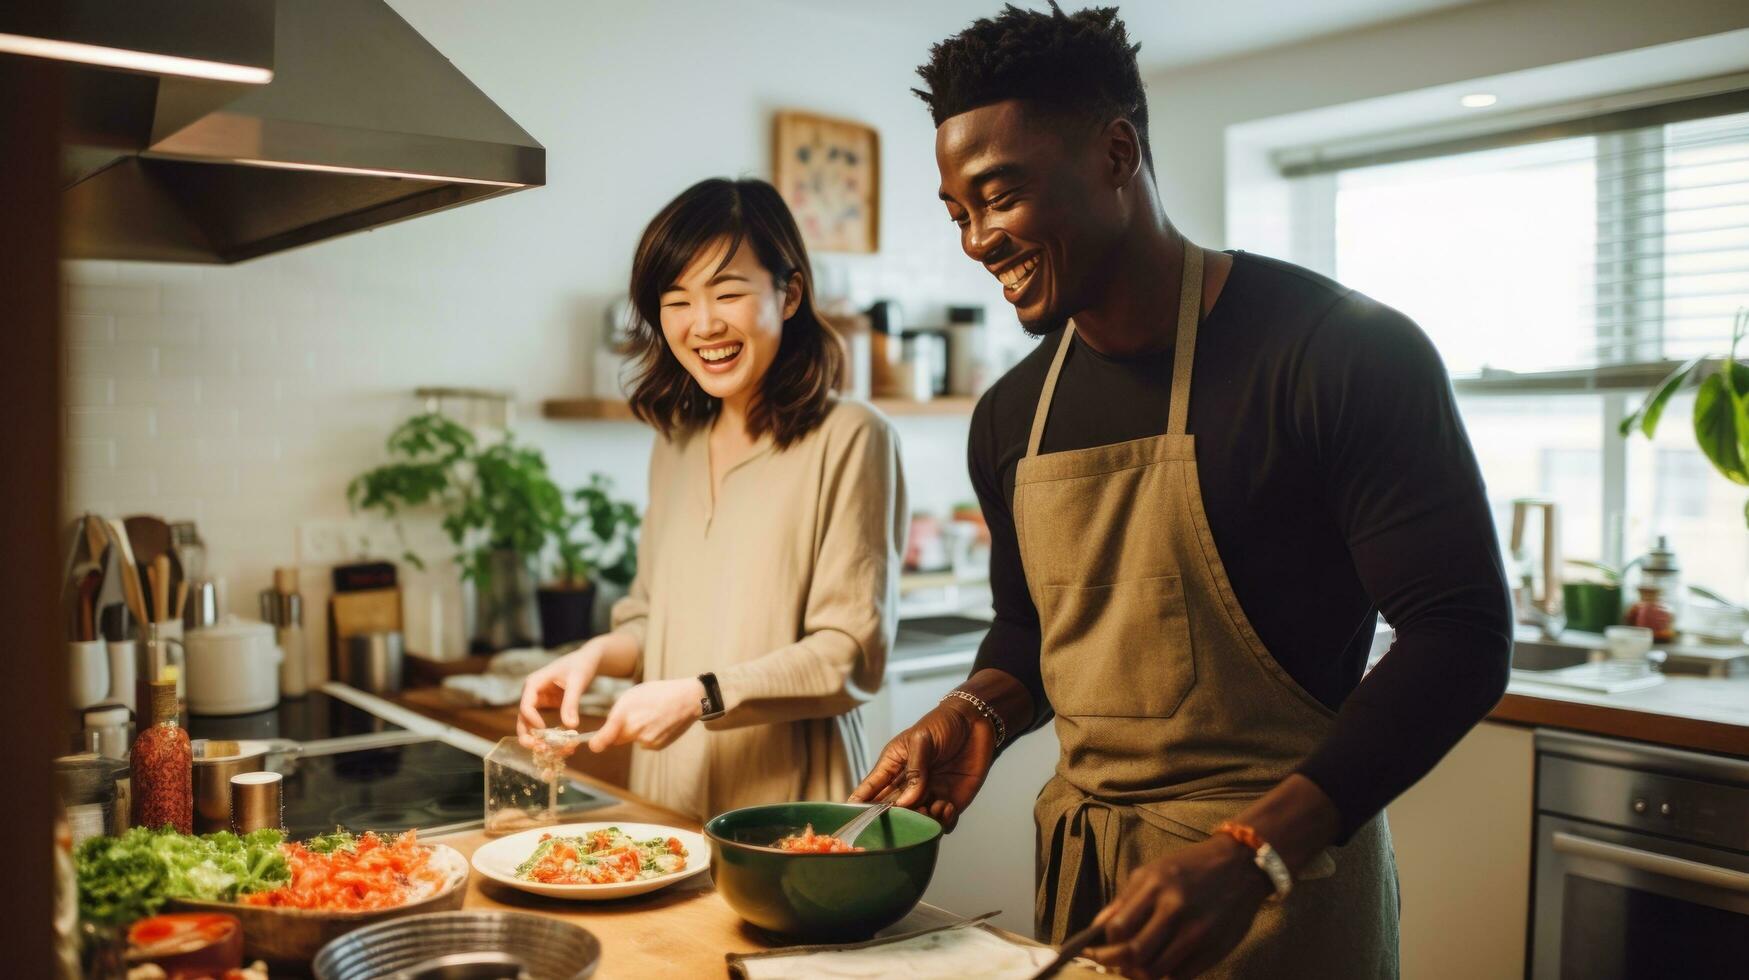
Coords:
1080,64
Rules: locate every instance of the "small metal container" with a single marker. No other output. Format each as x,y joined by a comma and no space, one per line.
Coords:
86,783
203,605
216,761
257,802
373,662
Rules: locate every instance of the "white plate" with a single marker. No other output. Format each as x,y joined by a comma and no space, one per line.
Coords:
499,859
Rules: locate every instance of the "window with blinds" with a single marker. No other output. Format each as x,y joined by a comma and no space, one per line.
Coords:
1609,254
1562,270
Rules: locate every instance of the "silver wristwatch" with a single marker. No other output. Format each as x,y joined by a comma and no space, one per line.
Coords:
1271,864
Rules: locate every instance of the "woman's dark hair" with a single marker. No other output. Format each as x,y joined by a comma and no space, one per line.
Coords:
796,393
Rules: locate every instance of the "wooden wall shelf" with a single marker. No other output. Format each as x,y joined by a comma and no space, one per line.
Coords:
611,410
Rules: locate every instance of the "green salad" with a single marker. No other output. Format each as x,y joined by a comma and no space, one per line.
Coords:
128,877
601,857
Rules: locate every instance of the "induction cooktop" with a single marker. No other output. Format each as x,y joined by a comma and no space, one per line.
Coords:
431,785
314,717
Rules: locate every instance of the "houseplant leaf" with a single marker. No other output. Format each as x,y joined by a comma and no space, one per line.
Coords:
1651,410
1717,424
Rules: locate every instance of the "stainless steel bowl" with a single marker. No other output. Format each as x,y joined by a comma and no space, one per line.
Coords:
547,949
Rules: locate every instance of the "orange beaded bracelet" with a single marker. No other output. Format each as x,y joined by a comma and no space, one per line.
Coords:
1270,863
1241,833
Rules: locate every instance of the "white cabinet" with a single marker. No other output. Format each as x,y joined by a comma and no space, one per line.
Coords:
1463,842
987,862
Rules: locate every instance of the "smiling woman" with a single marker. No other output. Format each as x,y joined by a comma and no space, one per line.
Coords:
765,598
723,293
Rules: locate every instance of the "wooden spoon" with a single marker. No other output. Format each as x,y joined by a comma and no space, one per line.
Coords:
161,587
129,570
150,537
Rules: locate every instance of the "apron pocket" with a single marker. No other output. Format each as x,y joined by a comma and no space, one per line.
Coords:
1117,651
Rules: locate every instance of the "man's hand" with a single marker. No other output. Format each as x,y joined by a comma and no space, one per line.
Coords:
941,762
653,714
1183,913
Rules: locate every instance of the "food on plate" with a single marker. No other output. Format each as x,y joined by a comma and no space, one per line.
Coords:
809,842
342,873
125,878
192,944
601,857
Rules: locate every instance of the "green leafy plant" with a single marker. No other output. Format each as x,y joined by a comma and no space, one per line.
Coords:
494,497
1721,408
608,551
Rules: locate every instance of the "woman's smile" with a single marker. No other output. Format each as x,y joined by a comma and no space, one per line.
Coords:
720,358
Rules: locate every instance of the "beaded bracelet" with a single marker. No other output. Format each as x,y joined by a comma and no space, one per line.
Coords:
984,709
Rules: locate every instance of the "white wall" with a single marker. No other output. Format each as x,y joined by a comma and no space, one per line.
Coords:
245,397
1191,108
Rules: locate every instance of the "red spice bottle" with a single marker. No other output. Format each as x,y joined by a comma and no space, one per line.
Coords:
1654,613
163,764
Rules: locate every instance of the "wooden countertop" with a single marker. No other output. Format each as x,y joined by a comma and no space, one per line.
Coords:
1697,713
684,930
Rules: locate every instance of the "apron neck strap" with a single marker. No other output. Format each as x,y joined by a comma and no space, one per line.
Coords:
1189,313
1043,410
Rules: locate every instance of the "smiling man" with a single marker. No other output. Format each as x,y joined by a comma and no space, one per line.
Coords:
1203,488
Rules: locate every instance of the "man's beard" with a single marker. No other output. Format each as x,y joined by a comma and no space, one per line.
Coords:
1044,326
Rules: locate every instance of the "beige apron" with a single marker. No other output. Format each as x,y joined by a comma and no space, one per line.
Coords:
1171,714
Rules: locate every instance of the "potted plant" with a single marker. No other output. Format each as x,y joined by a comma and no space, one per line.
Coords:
594,541
1721,408
498,503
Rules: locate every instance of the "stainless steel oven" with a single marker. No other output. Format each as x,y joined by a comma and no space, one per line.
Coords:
1642,862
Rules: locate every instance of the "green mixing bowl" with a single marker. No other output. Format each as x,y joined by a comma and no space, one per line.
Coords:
821,897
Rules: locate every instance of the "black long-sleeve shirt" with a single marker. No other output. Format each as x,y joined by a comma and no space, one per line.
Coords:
1339,485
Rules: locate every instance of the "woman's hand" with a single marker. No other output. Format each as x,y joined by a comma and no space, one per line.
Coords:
941,761
1179,915
653,714
557,685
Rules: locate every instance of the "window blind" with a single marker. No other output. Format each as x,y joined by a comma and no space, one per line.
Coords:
1585,255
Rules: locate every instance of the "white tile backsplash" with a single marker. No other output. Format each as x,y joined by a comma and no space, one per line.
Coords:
125,423
208,420
197,362
90,329
172,329
93,298
157,392
112,361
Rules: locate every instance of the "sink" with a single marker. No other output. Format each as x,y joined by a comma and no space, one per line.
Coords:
1544,655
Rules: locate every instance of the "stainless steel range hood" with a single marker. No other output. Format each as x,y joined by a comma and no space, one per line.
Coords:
363,124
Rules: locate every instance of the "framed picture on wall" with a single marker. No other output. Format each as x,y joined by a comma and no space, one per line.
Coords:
829,171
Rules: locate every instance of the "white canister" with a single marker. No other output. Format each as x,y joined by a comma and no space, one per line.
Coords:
122,654
233,668
87,673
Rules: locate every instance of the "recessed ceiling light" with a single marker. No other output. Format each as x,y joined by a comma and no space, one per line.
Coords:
1477,100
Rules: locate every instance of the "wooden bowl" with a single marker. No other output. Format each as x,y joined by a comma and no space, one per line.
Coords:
285,937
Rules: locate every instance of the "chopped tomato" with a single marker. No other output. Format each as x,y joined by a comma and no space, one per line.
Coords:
811,843
373,875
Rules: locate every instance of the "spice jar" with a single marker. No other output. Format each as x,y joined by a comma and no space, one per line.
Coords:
1654,613
163,766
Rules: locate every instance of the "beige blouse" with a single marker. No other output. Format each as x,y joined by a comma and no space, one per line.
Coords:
787,591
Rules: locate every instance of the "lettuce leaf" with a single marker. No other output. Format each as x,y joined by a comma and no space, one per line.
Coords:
125,878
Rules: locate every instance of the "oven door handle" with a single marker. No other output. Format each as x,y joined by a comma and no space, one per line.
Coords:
1681,869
